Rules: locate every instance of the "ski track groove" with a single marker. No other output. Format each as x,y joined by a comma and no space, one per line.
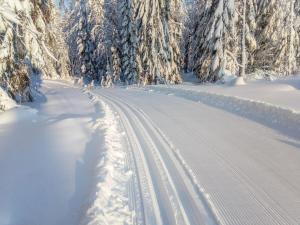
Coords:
140,118
141,151
149,203
274,213
169,146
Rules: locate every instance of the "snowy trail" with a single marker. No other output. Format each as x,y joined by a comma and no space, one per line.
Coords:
111,156
247,173
60,159
175,198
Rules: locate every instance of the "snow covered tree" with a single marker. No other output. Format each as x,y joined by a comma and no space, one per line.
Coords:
215,41
159,32
129,42
246,27
112,37
116,65
26,45
191,11
85,39
277,36
242,71
292,37
150,41
107,79
195,28
297,25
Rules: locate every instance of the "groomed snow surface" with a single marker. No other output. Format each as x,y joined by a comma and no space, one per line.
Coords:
159,155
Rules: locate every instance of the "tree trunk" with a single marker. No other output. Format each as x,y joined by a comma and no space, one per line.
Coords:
242,70
292,40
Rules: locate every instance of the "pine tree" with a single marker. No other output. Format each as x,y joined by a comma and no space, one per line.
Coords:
292,38
215,44
159,32
85,44
191,11
26,43
116,65
297,26
85,39
129,42
276,35
112,37
250,27
150,41
199,13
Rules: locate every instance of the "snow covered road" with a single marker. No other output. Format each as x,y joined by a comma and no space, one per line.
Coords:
146,156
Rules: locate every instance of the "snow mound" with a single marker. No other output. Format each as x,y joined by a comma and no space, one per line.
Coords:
6,102
239,81
110,204
17,114
292,82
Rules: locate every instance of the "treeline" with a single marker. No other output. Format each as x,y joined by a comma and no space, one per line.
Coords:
125,40
146,42
152,41
229,36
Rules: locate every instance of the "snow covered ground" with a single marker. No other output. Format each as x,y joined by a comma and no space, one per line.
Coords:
55,156
186,154
6,103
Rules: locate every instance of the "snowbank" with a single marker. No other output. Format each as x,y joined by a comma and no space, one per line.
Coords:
110,201
285,120
6,102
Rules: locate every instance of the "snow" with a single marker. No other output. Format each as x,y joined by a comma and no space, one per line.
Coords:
239,170
282,119
110,202
188,154
50,159
7,14
239,81
6,102
281,92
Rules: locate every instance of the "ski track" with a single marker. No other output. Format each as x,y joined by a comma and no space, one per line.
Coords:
169,176
141,177
212,203
115,200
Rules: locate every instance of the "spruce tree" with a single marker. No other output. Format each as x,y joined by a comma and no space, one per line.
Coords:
129,42
27,46
85,39
215,44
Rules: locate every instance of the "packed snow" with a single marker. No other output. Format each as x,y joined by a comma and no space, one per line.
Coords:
6,102
189,154
58,156
93,129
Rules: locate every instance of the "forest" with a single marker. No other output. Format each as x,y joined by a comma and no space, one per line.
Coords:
149,112
107,42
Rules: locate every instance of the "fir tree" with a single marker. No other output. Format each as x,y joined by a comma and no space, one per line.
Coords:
27,45
215,45
129,42
85,39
